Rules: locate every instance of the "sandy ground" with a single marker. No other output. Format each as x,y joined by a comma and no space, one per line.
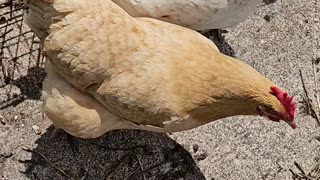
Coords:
278,40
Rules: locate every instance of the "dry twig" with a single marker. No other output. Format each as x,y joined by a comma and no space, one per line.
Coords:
308,100
115,171
135,174
299,167
52,165
315,84
316,171
118,166
303,174
2,120
143,174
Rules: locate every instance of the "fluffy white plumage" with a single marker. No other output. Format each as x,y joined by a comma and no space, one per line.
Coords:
194,14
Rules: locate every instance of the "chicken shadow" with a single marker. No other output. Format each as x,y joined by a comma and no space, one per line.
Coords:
21,61
119,154
30,87
219,41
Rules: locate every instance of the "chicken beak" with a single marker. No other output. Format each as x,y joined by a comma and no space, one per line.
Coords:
292,124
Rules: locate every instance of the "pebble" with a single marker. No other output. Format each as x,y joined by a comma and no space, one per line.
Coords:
36,129
200,157
267,18
2,120
195,148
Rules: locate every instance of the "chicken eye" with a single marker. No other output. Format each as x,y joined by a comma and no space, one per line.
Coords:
272,111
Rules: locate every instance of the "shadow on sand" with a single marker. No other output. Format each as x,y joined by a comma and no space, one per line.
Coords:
120,154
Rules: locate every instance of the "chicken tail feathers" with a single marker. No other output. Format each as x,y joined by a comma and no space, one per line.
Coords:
39,17
42,13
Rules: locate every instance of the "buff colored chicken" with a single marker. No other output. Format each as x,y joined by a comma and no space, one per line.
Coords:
108,70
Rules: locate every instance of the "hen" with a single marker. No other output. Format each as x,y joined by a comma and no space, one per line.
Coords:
194,14
108,70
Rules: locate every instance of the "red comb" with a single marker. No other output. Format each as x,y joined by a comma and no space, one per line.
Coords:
285,100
